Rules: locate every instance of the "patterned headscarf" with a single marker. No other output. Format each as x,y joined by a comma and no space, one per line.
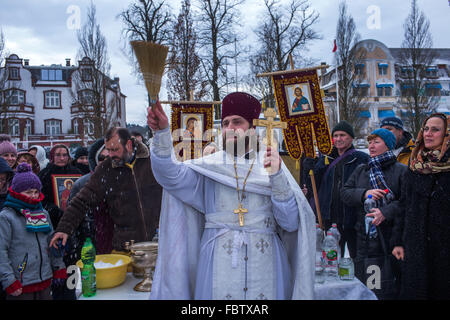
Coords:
427,161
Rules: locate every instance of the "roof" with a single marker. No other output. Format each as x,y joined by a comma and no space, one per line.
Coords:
443,54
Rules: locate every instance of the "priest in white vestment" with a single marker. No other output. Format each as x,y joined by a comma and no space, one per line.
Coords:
234,224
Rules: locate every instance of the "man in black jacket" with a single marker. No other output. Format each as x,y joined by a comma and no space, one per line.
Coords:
331,172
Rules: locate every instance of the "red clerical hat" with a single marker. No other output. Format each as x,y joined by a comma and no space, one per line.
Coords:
241,104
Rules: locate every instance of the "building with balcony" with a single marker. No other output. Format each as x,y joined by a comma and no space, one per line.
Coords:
44,104
384,83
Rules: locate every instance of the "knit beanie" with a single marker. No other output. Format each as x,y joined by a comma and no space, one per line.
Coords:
5,137
7,147
80,152
25,179
387,136
392,121
344,126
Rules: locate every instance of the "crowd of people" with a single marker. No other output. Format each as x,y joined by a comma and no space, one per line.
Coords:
410,182
119,197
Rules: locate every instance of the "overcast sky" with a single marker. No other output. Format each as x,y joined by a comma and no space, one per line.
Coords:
45,32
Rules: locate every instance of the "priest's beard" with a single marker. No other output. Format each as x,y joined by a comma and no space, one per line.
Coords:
237,145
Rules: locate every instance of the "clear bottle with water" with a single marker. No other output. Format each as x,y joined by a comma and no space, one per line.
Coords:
320,267
320,263
346,269
337,235
319,237
389,197
330,255
370,204
88,273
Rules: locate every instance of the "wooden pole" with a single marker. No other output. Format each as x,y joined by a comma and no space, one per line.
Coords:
290,71
316,198
291,61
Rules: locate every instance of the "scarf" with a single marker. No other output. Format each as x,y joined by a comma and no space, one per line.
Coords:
339,158
376,175
425,161
31,209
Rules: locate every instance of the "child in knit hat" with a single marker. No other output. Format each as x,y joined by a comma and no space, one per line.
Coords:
26,265
8,152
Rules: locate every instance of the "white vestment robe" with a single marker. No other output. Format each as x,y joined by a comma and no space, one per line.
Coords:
205,254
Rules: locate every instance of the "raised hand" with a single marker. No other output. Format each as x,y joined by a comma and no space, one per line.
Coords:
156,117
272,159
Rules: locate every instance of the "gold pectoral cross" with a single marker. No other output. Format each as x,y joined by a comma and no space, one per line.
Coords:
241,210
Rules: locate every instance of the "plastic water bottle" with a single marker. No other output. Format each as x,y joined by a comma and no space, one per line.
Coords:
370,204
330,255
88,277
336,234
156,236
320,263
320,267
319,237
389,196
346,269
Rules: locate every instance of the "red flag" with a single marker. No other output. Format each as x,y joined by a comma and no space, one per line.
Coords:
335,46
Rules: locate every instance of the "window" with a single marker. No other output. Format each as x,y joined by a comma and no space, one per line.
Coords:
359,69
431,72
13,127
86,74
28,127
382,69
86,96
75,126
388,91
14,97
361,91
14,73
51,75
88,127
52,127
384,91
52,99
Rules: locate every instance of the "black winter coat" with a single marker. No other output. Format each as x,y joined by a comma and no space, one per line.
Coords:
353,195
426,235
347,215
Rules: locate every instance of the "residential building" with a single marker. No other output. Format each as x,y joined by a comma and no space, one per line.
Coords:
383,82
44,105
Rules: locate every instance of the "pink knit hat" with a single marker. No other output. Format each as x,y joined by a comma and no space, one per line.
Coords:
7,147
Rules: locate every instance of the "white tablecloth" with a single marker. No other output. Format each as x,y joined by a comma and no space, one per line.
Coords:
329,290
343,290
123,292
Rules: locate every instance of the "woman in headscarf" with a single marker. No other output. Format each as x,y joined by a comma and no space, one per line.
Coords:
426,199
39,153
381,176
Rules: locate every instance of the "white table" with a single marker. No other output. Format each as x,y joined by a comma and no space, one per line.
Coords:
124,291
329,290
336,289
